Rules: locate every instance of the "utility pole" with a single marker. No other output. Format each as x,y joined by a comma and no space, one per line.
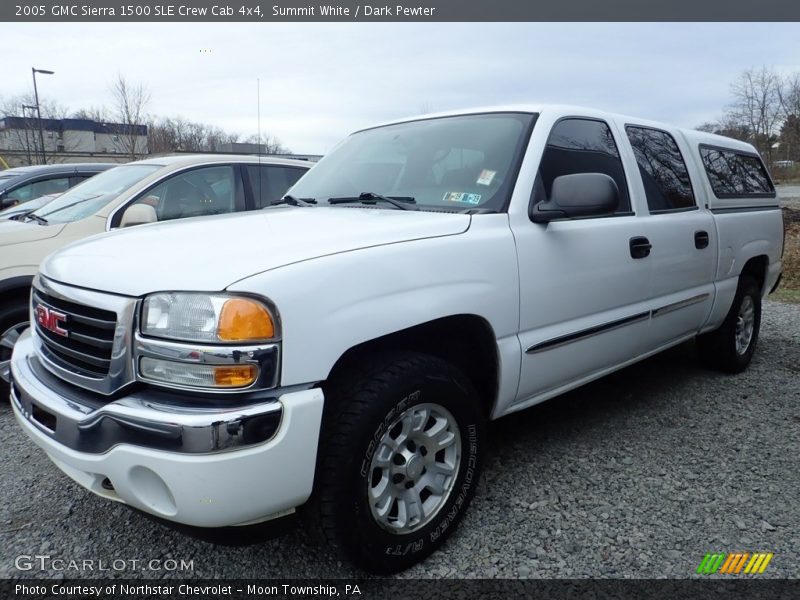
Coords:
34,71
28,140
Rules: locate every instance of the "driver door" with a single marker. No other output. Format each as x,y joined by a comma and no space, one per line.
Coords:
583,297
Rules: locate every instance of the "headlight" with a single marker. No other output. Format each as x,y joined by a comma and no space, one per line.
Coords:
209,318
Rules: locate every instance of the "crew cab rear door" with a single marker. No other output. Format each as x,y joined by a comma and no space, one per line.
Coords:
680,232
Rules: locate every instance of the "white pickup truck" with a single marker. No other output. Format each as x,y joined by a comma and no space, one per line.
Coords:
342,351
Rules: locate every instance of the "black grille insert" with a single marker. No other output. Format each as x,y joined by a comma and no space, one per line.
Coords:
90,335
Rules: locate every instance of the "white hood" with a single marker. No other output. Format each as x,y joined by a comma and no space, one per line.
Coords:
211,253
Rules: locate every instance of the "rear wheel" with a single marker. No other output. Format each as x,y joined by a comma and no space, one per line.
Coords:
399,460
13,321
730,348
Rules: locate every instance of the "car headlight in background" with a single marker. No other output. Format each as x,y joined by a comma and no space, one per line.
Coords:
208,318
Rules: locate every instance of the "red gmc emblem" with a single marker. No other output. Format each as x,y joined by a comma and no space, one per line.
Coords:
50,319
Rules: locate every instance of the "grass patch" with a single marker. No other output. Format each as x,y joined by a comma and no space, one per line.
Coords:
781,295
789,290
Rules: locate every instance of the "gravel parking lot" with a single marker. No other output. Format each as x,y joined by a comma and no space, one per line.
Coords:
637,475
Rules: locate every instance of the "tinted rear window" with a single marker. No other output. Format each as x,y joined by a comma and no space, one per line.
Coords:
664,175
735,174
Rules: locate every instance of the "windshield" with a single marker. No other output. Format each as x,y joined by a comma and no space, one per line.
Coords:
450,163
93,194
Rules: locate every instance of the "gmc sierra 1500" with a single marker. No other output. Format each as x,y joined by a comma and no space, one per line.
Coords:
342,351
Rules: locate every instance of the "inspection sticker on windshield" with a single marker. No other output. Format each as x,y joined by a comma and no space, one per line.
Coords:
486,177
462,197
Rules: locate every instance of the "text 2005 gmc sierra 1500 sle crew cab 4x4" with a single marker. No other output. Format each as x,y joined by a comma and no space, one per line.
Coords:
342,351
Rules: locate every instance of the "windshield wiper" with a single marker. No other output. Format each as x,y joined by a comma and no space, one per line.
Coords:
402,202
37,218
73,204
292,201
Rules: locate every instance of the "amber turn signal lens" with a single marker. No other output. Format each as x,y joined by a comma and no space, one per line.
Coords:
243,319
238,376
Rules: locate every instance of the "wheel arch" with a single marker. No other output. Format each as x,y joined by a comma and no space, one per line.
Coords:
14,287
467,341
756,267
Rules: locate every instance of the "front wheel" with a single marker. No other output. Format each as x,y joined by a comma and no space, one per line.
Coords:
399,460
13,321
730,348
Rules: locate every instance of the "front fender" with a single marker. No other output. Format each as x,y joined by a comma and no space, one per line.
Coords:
333,303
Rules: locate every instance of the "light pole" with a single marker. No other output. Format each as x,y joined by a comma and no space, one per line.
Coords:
38,110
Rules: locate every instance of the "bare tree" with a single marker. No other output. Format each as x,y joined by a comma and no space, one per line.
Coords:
22,138
789,94
269,144
174,134
98,114
708,126
790,129
216,137
729,126
24,135
757,107
126,118
130,114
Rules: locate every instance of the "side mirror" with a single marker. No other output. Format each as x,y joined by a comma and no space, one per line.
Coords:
6,202
578,195
138,214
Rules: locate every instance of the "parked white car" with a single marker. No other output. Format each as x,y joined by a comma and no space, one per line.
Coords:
157,189
343,351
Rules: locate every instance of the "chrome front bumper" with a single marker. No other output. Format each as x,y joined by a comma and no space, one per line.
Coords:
80,422
201,466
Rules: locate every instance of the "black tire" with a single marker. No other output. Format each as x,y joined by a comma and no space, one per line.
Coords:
718,349
362,406
13,318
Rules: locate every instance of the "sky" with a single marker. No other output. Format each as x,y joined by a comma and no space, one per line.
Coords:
321,81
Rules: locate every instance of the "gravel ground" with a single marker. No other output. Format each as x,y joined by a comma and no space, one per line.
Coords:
637,476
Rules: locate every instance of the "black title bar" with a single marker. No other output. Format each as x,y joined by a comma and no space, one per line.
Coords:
270,11
401,589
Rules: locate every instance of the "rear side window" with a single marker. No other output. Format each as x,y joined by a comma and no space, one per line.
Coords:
270,182
663,170
581,146
736,174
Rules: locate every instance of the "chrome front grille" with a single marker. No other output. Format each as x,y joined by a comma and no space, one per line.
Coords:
86,346
83,336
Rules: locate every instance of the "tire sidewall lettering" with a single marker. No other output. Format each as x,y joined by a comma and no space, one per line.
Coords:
433,532
411,398
466,485
360,532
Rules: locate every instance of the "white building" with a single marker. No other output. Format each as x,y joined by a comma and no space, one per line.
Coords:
70,138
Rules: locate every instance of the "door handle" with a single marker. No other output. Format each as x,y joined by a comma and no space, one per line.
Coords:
701,239
640,247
